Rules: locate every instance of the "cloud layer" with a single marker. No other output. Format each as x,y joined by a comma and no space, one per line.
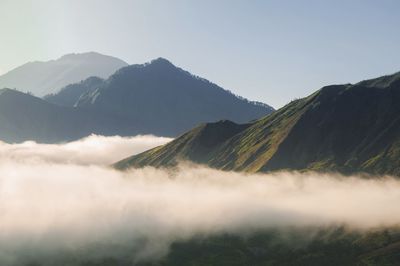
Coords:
94,149
64,197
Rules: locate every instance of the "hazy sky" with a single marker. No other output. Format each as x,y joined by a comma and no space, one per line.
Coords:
272,51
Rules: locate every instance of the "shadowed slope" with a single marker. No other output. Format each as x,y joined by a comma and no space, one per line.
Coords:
160,97
69,95
25,117
202,139
168,100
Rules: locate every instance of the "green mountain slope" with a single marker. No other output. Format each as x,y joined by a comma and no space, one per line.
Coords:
345,128
202,139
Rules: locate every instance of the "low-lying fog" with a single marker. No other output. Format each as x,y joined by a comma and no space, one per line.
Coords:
63,197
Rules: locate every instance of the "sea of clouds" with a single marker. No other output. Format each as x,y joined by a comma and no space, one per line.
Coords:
65,197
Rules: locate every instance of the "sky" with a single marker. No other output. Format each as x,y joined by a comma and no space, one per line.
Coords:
270,51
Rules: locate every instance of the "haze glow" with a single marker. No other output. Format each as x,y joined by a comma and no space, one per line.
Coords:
271,51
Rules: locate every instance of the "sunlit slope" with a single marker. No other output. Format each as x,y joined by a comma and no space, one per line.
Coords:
196,145
245,147
345,128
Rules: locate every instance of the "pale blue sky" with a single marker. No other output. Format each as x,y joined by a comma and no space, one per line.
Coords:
271,51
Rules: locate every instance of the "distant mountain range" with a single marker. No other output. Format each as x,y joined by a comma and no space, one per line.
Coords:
25,117
41,78
154,98
159,98
346,128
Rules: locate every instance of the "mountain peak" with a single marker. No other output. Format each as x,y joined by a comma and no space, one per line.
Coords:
159,63
87,56
160,60
175,99
45,77
75,55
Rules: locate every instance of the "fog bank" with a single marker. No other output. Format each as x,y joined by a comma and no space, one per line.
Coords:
95,149
53,197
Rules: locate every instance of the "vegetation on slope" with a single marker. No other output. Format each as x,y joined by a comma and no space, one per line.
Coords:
309,247
345,128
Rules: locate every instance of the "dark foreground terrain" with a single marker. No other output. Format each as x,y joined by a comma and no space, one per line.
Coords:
333,246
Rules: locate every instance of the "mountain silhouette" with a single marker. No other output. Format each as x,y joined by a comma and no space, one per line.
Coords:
41,78
154,98
26,117
160,97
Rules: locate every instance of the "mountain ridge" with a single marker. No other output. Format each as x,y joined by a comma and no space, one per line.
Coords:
154,98
45,77
345,128
164,98
26,117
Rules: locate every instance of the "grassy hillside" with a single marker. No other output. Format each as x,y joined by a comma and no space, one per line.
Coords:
345,128
333,246
202,139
